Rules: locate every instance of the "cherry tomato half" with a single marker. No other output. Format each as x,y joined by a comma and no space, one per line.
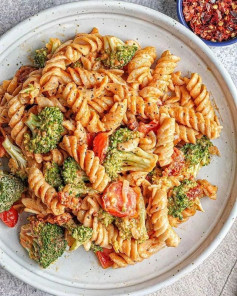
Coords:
100,145
120,200
104,258
9,217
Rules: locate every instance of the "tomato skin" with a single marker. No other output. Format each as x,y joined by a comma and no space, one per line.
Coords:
9,217
104,258
100,145
113,202
145,128
2,150
90,139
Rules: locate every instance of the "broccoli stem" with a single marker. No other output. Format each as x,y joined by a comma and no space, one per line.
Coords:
14,152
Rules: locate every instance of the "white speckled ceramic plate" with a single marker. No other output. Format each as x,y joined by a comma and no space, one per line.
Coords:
78,273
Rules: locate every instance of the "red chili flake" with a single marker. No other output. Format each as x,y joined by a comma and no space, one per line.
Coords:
214,20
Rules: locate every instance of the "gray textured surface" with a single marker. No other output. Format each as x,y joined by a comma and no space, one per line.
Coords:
217,276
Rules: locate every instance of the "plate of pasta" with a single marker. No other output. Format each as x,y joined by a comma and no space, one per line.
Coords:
118,149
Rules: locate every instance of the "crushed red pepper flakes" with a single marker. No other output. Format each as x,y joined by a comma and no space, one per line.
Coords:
213,20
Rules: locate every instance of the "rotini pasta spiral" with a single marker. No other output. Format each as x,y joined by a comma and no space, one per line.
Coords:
84,77
114,117
54,72
44,191
34,205
201,96
184,133
177,79
12,87
82,45
16,113
90,62
139,72
101,104
49,102
208,189
184,96
149,142
87,215
165,140
17,107
161,76
195,120
139,106
132,252
159,218
87,161
77,100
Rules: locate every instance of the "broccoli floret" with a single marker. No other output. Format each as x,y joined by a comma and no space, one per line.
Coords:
52,175
46,128
105,217
155,175
198,153
69,172
79,233
11,188
82,234
141,221
121,161
44,242
125,226
74,178
120,136
96,248
179,200
76,190
40,57
134,227
117,54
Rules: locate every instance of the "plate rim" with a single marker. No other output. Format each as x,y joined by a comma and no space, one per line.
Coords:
24,25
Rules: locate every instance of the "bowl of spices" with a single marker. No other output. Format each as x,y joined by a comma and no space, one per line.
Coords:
214,21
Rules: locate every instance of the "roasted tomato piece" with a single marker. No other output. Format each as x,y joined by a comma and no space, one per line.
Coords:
195,192
104,258
100,145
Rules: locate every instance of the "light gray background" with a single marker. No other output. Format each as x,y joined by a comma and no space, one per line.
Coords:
217,276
